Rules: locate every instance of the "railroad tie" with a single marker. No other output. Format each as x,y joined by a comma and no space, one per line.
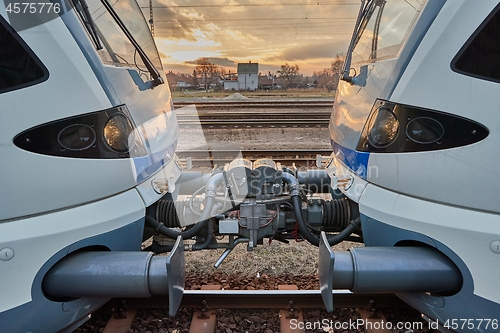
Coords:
289,314
204,320
374,320
120,321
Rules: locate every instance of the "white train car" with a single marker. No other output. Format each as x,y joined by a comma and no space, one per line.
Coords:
414,130
87,142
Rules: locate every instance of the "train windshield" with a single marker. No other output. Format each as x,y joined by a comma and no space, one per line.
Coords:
383,28
117,49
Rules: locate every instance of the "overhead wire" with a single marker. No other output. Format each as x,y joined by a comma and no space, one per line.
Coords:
256,23
259,19
315,4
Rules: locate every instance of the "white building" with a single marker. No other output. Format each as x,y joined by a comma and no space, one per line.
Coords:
248,78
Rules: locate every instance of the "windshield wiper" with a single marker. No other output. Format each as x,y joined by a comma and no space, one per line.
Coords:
373,54
89,22
157,79
364,16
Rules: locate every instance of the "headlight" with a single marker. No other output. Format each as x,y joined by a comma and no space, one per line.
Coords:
76,137
119,133
383,127
102,134
424,130
399,128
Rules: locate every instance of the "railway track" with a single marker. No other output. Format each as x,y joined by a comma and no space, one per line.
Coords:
254,122
257,103
302,157
279,114
253,118
230,304
264,299
287,299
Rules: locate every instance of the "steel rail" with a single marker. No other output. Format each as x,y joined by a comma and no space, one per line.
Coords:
266,299
257,100
245,153
255,122
255,106
299,162
253,100
257,103
210,158
237,115
182,114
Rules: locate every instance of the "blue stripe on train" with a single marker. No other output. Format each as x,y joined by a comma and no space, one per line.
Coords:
147,166
355,160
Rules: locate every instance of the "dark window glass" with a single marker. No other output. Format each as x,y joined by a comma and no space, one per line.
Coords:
19,67
480,55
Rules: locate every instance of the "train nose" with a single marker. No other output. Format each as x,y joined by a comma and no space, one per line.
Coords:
119,274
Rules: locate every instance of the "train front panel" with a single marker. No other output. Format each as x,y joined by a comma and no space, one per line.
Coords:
413,131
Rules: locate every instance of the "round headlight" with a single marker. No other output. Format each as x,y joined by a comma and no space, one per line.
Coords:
424,130
76,137
383,128
119,133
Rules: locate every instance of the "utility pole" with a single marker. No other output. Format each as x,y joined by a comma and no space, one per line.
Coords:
151,18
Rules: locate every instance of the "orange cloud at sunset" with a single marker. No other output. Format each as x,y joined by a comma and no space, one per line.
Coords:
272,32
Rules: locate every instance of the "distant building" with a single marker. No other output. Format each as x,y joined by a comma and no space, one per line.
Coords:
180,81
266,82
247,78
231,81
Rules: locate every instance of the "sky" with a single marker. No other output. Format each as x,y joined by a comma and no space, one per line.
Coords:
269,32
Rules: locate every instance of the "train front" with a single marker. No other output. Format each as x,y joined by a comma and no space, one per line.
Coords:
414,129
87,143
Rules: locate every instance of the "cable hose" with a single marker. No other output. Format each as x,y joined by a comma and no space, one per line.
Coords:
210,233
309,236
336,214
169,209
171,213
166,213
161,228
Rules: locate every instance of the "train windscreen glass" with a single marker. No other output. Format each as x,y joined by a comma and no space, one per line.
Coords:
117,49
386,27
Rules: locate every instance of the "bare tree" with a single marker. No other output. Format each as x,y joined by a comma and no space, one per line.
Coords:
219,77
324,79
206,71
336,69
338,63
289,74
328,78
195,78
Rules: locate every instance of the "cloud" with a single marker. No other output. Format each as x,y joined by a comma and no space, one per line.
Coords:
224,62
178,68
267,32
177,19
164,56
310,51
